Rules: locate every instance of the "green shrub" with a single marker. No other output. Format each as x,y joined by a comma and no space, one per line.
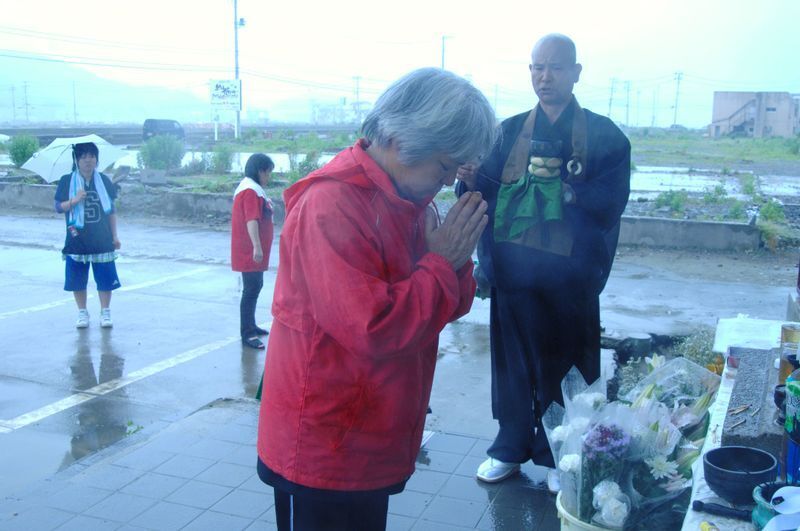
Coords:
301,169
21,148
251,135
715,195
793,145
222,158
161,152
196,166
674,199
309,164
772,211
736,211
748,183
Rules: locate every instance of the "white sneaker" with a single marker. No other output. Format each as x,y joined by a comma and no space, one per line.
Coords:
105,318
83,319
493,470
553,481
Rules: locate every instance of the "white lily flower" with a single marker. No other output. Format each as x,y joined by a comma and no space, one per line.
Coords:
655,362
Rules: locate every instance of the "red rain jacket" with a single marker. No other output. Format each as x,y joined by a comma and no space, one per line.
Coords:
358,307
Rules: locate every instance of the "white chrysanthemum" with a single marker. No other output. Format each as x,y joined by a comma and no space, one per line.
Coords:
614,512
580,425
561,433
661,468
592,400
570,463
604,491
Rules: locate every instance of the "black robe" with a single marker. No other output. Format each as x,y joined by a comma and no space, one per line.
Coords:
545,313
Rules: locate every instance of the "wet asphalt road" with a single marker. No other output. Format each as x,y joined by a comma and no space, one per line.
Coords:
174,347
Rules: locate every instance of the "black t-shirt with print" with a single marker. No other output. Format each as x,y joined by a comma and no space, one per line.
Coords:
95,237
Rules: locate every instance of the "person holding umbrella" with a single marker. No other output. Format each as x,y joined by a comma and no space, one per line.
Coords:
86,198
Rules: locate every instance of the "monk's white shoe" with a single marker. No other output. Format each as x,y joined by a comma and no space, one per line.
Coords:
493,470
553,481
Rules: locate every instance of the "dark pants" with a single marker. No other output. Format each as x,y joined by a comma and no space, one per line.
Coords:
361,512
537,335
252,282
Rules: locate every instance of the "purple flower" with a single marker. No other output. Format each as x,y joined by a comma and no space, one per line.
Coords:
606,441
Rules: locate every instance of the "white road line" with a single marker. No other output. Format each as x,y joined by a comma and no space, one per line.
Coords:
141,285
6,426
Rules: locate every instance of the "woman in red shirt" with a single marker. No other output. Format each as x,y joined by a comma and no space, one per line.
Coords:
251,241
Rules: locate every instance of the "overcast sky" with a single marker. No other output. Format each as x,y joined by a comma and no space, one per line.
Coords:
318,52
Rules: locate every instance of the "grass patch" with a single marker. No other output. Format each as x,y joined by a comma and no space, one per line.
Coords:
663,147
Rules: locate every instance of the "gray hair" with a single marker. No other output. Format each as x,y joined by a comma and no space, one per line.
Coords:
431,111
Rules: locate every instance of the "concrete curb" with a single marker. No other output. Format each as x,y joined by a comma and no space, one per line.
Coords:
688,234
644,231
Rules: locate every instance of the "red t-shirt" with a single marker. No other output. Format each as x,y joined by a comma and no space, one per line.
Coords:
247,205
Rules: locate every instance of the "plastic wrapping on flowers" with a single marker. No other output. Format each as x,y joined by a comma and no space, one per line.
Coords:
564,427
627,464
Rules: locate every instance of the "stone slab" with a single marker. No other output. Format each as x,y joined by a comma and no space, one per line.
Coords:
755,382
745,332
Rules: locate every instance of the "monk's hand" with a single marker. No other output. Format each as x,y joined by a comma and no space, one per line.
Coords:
469,174
456,237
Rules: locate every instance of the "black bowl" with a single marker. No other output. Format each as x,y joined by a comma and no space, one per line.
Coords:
733,472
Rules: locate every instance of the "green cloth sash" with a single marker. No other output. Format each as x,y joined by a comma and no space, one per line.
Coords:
526,203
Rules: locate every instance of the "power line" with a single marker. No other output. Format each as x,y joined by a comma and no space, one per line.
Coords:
88,61
104,43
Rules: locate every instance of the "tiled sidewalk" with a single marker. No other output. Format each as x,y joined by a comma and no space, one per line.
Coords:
199,474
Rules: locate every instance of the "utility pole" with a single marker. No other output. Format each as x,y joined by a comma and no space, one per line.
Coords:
357,104
25,86
74,105
611,96
678,77
444,38
638,101
655,101
236,63
627,103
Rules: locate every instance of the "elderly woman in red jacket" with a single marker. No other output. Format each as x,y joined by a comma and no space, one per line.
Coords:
367,279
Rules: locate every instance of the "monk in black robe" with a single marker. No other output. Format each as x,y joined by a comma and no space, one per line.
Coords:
557,183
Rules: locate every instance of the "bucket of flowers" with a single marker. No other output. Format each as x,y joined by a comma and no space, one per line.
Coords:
628,464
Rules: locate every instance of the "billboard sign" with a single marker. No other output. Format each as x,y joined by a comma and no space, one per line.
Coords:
226,94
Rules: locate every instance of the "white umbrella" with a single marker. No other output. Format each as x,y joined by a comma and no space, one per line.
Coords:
55,160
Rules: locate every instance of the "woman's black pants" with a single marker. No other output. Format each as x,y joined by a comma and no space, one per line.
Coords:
252,282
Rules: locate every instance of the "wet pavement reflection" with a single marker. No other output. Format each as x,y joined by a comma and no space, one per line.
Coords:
99,423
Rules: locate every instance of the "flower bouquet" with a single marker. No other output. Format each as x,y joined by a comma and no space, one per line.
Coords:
623,464
565,427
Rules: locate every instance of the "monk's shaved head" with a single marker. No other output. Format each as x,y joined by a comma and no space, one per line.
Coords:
559,40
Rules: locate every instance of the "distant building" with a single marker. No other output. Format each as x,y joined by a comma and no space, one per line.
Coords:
755,114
